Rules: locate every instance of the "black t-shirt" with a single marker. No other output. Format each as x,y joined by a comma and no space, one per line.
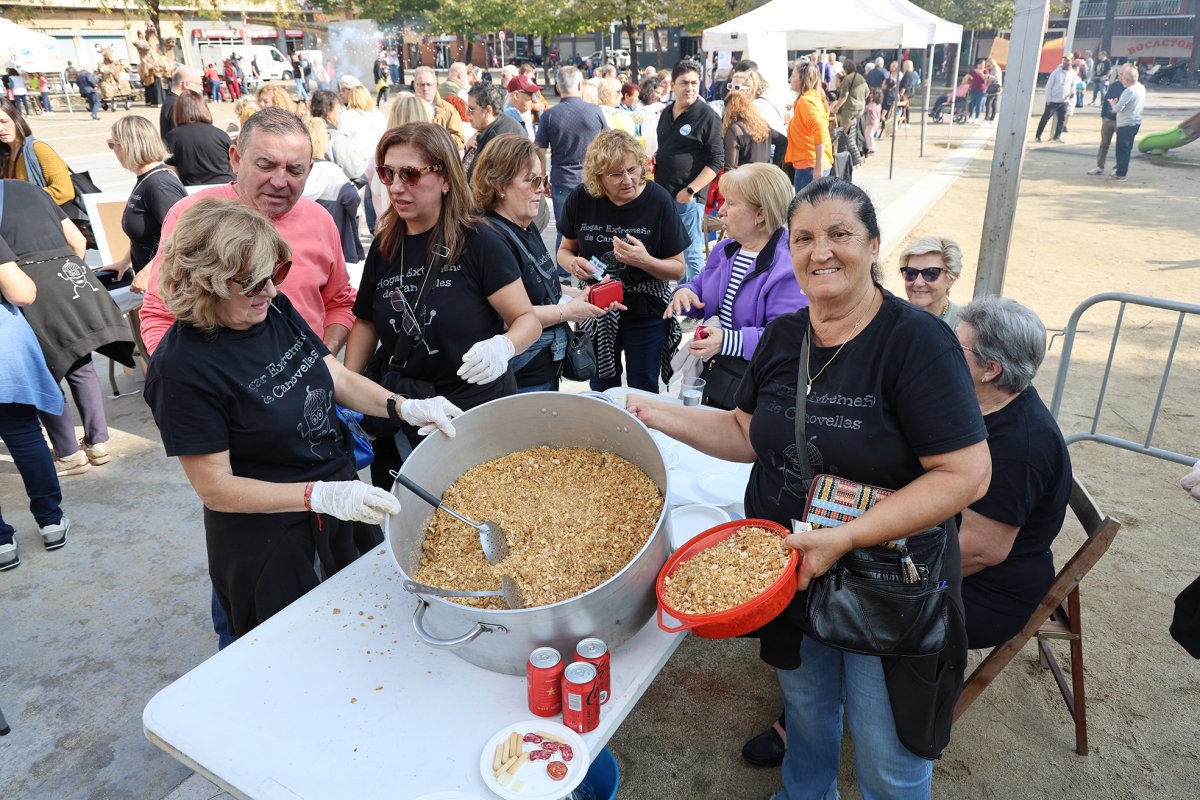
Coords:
1030,488
32,223
897,391
541,284
264,394
651,217
200,154
686,145
455,315
152,197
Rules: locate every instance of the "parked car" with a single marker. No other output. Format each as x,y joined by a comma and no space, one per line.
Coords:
618,57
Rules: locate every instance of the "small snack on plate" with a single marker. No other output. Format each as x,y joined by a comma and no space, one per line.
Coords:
505,761
556,770
728,574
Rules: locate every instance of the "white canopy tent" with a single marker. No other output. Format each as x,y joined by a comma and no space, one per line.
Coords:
28,50
769,31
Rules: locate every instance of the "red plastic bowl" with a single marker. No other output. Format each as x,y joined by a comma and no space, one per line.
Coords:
739,619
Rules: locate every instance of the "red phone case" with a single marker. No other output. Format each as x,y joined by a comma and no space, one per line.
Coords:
606,292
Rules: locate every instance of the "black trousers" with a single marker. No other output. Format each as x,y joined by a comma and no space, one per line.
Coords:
1059,110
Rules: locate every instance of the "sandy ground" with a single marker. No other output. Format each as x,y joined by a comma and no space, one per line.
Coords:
92,631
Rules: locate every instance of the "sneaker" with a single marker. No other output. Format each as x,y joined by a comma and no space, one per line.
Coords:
1119,178
1037,139
55,536
9,559
1096,171
1058,139
96,453
75,464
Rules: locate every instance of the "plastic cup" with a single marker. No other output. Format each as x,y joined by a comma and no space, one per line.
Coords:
691,391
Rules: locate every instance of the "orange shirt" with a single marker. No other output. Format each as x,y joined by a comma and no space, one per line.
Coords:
808,128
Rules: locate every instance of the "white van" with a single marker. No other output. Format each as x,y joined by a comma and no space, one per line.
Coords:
272,64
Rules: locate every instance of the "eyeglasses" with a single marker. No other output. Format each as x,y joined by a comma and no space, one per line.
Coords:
539,182
276,277
737,87
930,275
632,172
410,175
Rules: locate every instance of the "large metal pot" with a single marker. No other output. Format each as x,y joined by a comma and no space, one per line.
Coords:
501,640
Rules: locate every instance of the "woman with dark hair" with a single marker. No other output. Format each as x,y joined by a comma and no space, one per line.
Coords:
325,105
509,182
747,135
441,308
199,149
864,369
23,158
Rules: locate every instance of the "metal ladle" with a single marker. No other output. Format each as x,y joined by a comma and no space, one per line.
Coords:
492,538
509,589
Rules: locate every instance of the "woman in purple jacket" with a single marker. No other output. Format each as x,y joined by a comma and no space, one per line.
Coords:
747,282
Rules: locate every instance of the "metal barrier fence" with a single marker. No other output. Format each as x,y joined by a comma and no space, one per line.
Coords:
1145,447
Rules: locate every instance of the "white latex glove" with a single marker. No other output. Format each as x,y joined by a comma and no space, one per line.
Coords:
353,501
430,415
1191,482
487,360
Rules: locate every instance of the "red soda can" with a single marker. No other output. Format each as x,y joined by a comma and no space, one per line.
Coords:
595,651
544,671
581,697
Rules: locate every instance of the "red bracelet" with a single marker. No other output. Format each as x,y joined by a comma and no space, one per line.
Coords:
308,489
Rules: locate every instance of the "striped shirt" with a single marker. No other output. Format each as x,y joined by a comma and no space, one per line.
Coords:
743,263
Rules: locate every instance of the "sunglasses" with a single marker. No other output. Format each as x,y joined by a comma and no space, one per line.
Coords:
276,277
539,182
112,144
930,275
737,87
410,175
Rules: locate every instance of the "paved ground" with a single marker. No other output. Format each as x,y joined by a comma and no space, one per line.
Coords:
92,631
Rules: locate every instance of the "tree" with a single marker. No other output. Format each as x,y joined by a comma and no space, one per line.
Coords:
973,15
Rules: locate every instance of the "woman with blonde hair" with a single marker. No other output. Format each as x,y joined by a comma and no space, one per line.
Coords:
642,245
273,95
748,280
265,452
362,122
137,145
441,308
809,147
747,135
930,266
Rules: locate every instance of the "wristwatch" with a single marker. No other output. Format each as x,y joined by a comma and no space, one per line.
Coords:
393,408
691,192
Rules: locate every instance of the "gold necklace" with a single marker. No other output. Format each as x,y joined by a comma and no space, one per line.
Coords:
808,380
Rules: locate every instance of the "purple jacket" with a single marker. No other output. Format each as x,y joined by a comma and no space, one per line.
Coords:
761,298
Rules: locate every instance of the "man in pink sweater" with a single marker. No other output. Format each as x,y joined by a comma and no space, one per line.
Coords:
271,160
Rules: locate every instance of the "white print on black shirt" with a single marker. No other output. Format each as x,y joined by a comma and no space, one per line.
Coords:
77,276
287,362
315,425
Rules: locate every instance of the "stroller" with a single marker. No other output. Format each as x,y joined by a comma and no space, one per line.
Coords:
939,109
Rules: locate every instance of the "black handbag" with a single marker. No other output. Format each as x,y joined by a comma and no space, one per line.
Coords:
580,363
885,600
722,377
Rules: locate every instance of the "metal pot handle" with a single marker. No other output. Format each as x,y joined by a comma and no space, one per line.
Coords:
466,638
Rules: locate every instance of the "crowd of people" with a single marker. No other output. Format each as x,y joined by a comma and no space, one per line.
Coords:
263,355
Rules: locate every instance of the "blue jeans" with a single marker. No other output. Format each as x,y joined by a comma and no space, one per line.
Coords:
692,215
1099,89
1125,137
827,684
804,177
558,197
22,435
302,88
975,99
642,340
93,101
548,386
221,624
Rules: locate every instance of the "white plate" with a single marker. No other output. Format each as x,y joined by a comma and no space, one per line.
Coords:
690,520
724,486
535,783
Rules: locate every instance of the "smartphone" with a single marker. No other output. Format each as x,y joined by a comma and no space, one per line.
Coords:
606,293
